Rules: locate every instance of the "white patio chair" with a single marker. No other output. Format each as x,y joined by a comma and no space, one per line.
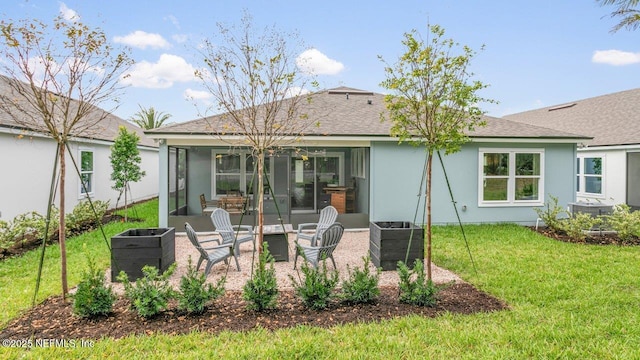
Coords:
210,254
324,250
328,216
231,233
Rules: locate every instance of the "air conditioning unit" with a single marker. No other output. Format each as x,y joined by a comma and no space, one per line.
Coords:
594,209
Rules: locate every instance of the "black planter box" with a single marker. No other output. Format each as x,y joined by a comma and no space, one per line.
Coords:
389,240
135,248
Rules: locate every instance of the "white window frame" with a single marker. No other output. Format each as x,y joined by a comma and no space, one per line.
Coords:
341,174
243,170
581,176
92,172
511,178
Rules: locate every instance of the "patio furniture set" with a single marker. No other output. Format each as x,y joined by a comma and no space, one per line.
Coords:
314,241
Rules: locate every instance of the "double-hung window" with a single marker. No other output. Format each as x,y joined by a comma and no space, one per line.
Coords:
511,177
589,177
86,172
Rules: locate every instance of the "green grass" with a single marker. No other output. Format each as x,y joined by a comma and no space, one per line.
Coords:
566,301
18,275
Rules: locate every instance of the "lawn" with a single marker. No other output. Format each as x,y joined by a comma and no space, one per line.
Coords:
18,275
567,301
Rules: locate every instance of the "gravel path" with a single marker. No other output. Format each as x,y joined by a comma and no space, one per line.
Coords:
353,246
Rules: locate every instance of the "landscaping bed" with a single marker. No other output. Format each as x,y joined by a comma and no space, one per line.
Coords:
595,238
53,318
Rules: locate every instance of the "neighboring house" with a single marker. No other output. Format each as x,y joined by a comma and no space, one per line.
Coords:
500,176
608,166
28,161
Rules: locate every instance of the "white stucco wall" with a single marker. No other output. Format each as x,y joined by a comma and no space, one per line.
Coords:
614,175
27,165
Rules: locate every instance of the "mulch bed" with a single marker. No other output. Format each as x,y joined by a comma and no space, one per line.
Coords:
595,239
53,319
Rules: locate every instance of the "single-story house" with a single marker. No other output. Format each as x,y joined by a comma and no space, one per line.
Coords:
608,165
28,160
351,161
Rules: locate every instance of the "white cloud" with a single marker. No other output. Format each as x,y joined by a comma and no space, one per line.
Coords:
68,14
160,75
173,20
142,40
615,57
314,62
296,91
197,94
180,38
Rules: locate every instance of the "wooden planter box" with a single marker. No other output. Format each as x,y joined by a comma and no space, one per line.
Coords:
135,248
389,240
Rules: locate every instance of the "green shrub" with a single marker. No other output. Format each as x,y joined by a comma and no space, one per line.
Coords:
150,294
82,216
577,225
261,291
31,224
414,287
361,287
5,241
93,297
550,214
625,222
317,288
194,294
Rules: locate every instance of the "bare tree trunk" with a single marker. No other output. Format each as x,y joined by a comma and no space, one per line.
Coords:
428,205
260,161
61,236
126,209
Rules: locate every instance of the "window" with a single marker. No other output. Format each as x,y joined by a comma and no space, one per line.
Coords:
86,172
358,163
511,176
177,181
235,173
589,177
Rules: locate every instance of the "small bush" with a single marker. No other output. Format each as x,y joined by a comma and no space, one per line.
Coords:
150,294
550,214
93,297
261,291
577,225
362,286
625,222
82,217
316,291
30,224
194,295
414,287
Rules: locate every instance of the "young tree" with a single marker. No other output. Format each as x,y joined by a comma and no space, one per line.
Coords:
149,118
125,162
433,101
626,11
258,90
56,75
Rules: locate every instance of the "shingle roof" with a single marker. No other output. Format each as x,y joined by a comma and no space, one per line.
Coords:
346,111
106,129
612,119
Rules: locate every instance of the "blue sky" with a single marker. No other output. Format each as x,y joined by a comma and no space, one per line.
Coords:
536,54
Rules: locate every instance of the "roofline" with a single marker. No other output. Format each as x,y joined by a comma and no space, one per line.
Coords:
11,130
553,140
588,147
344,140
